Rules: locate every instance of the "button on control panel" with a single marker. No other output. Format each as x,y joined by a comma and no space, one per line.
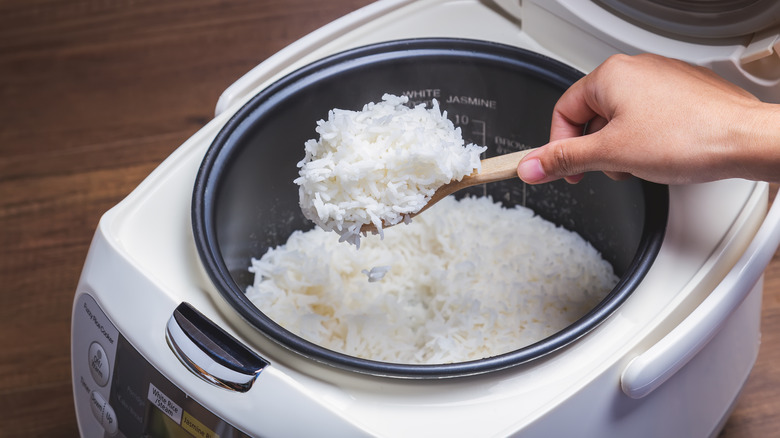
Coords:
98,364
103,412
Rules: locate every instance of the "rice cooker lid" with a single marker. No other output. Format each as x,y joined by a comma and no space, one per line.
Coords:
699,18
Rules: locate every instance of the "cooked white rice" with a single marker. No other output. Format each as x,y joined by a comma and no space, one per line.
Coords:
379,165
467,280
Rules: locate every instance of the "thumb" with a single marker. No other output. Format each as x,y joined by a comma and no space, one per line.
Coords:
565,158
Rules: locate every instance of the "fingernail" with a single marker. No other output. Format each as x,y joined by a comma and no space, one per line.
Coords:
531,171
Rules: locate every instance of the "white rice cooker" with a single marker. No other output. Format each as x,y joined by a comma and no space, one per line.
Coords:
158,349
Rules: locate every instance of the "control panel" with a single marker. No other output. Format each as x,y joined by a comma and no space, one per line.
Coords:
118,393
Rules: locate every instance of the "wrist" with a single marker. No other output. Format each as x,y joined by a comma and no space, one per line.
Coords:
757,143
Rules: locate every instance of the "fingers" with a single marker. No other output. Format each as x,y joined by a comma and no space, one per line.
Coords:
577,112
566,158
573,111
618,176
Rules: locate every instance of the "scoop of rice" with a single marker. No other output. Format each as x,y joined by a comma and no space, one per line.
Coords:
467,280
379,165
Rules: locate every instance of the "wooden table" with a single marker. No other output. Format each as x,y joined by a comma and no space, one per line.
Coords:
93,96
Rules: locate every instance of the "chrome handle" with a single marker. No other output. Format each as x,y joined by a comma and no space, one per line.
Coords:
211,353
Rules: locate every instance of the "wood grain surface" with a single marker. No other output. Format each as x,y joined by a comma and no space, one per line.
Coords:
94,94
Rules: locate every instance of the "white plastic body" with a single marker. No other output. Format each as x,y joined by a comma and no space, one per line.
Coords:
651,369
143,263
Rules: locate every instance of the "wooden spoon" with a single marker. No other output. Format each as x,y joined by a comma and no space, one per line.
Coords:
498,168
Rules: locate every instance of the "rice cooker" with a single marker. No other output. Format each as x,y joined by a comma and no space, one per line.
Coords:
165,343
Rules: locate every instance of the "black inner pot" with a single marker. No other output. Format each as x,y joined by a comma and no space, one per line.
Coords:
245,200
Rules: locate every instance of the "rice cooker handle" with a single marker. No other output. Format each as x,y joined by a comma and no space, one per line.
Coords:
211,353
651,369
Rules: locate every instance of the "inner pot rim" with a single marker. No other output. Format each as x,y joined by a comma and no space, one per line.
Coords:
220,151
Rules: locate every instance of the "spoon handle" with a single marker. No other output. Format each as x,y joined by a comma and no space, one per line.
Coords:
498,168
494,169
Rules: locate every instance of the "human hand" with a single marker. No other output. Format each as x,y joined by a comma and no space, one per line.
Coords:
659,119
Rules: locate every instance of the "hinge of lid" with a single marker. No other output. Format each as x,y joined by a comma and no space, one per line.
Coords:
763,44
